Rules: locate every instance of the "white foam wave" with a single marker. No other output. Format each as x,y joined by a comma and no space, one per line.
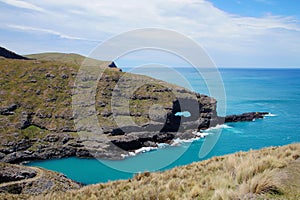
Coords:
200,134
144,149
138,151
162,145
178,141
271,115
219,126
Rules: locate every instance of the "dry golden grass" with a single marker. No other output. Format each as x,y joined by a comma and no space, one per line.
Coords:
271,173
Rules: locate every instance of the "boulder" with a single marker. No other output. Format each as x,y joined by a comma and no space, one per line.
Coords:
8,110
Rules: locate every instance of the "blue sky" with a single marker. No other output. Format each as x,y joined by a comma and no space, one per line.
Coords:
235,33
259,8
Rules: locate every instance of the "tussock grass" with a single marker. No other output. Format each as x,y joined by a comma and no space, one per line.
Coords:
269,173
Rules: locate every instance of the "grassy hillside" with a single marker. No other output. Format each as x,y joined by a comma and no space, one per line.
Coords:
36,97
70,58
271,173
36,116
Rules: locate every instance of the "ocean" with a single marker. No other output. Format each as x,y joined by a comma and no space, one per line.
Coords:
276,91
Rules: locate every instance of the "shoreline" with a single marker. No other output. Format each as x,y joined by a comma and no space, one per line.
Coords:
76,148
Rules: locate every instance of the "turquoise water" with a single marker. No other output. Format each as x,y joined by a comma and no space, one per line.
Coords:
273,90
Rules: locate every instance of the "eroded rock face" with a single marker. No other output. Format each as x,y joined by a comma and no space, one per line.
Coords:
8,174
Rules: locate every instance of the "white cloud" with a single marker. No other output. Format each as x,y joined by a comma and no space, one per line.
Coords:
61,35
215,29
22,4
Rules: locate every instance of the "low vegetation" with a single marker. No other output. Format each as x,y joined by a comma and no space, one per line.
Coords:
38,95
271,173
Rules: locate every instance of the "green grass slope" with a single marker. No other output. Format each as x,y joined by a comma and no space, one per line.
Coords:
36,102
70,58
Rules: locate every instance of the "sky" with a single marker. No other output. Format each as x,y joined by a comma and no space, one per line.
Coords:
235,33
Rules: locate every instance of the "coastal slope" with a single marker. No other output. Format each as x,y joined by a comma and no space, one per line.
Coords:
270,173
37,121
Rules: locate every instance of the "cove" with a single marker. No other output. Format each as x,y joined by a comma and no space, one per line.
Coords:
268,90
232,139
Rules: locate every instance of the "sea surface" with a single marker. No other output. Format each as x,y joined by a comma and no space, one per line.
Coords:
271,90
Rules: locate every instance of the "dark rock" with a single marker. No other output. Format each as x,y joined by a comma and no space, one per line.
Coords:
106,114
68,151
48,75
204,124
64,76
42,114
112,65
23,144
28,152
245,117
163,90
51,138
9,54
56,152
13,189
117,131
25,120
163,137
8,175
17,157
38,92
149,144
27,174
101,104
9,144
84,153
9,109
75,144
143,97
65,139
128,143
2,155
7,150
137,114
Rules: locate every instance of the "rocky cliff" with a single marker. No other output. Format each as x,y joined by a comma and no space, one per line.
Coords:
37,120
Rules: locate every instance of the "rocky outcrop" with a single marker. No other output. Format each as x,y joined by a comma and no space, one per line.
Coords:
245,117
146,139
37,120
22,180
9,174
8,110
9,54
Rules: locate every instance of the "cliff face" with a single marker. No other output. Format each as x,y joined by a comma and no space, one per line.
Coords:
37,122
